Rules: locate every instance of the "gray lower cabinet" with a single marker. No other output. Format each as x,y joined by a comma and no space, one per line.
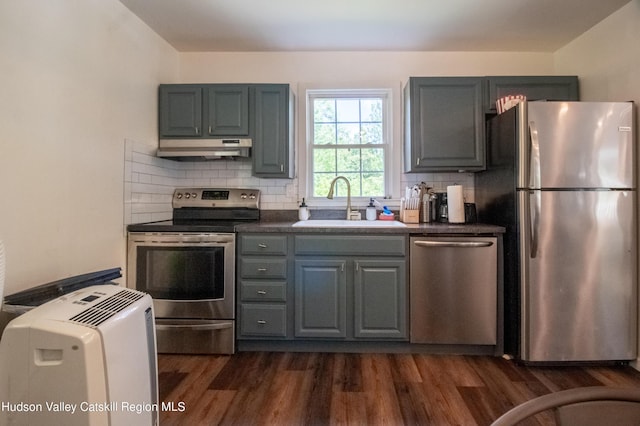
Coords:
380,305
341,294
321,296
263,271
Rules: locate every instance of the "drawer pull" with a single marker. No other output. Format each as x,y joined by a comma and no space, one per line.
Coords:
261,322
262,292
262,269
262,245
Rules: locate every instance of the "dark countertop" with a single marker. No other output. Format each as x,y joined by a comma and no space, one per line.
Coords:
282,221
411,228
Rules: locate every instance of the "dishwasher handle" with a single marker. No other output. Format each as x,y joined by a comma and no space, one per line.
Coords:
463,244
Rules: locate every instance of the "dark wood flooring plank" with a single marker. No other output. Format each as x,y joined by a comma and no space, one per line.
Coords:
318,394
444,403
377,383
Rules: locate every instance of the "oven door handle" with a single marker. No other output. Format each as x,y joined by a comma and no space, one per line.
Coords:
215,326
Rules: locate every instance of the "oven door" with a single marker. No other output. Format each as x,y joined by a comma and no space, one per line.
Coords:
188,275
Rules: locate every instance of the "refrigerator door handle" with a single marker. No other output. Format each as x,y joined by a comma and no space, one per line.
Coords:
534,179
535,199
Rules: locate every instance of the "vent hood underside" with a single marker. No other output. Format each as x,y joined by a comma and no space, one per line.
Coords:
204,149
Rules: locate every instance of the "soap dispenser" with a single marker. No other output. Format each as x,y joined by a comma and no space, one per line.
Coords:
303,211
371,210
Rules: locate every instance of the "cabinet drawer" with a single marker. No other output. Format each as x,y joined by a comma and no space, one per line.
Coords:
263,320
263,244
363,245
263,291
263,268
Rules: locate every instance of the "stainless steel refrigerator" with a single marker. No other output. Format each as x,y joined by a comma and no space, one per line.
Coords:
561,178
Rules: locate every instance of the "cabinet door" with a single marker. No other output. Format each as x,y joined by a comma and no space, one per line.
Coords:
550,88
380,298
228,110
180,110
320,300
445,128
272,148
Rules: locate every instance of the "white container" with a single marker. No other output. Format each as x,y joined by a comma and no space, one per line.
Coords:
455,203
371,213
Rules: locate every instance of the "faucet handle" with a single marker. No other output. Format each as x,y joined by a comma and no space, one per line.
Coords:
353,215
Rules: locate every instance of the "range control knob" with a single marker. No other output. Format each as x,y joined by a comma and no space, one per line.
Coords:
194,195
243,196
252,196
187,195
179,195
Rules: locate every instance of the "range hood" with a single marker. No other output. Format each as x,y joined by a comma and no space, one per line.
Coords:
204,149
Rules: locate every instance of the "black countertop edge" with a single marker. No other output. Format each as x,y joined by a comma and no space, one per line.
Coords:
410,228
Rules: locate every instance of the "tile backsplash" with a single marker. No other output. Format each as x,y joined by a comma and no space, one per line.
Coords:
149,182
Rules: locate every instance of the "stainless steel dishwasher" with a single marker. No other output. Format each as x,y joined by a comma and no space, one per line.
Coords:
454,290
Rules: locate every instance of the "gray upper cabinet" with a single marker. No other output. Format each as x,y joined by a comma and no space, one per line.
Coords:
262,112
272,150
184,114
445,116
180,110
535,88
444,124
228,110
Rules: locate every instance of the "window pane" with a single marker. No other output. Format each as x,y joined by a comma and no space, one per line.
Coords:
321,184
371,110
324,134
348,160
348,120
372,133
324,110
373,184
372,160
324,160
348,110
354,180
348,133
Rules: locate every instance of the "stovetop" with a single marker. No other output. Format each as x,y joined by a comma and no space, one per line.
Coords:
207,210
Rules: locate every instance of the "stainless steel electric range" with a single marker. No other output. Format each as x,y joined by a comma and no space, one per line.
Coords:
187,265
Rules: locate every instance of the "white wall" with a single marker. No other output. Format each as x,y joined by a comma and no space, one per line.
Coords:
78,77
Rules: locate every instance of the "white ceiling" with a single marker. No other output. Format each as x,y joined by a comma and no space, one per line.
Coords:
371,25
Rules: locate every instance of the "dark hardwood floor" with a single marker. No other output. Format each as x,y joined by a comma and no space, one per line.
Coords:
278,388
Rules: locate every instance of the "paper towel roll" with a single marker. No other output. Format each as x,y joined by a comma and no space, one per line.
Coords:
455,204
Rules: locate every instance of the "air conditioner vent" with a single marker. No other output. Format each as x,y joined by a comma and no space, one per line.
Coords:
102,311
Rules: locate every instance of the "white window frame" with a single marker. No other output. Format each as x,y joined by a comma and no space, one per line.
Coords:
391,91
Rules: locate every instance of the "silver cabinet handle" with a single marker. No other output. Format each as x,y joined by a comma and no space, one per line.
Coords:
197,130
262,269
217,326
261,322
261,292
464,244
262,245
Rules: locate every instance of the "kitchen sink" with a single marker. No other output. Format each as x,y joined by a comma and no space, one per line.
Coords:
343,223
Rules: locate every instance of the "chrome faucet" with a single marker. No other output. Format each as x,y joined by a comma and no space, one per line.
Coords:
350,214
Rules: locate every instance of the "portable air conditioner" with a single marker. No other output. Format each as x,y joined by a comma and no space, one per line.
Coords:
85,358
